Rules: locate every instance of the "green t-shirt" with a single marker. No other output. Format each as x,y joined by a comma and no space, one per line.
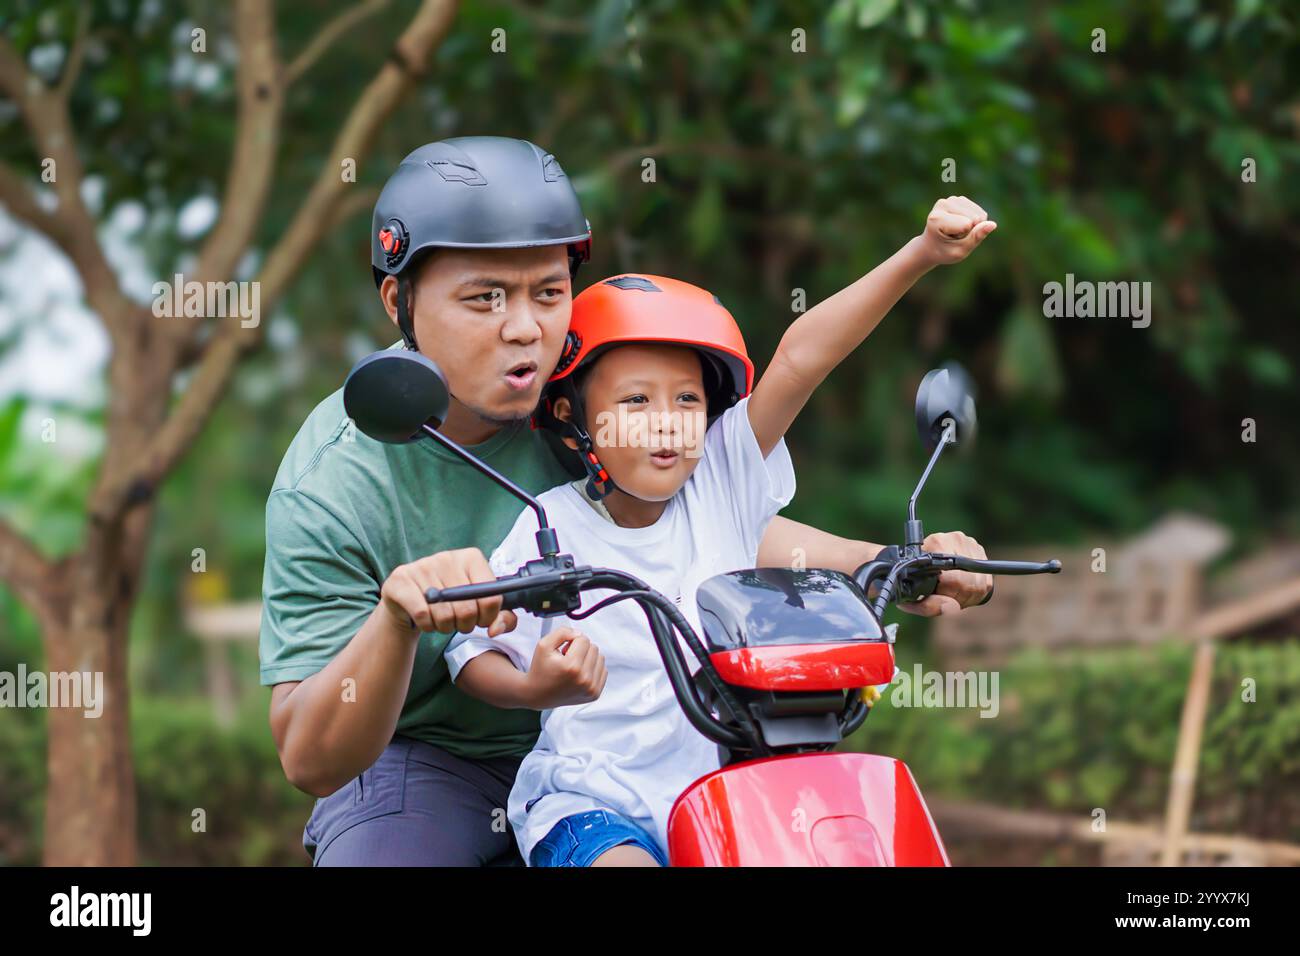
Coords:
345,511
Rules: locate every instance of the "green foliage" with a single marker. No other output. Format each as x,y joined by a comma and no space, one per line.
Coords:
183,762
779,170
41,491
1099,729
776,170
22,797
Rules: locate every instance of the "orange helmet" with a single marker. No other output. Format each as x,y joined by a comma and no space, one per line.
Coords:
644,308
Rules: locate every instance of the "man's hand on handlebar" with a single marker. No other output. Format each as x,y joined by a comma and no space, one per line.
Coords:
403,595
566,669
956,589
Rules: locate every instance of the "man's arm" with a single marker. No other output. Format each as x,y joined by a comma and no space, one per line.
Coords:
788,544
334,724
825,335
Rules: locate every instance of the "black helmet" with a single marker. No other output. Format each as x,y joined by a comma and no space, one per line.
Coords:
474,192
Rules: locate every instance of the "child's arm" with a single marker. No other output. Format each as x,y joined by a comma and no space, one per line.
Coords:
825,335
566,669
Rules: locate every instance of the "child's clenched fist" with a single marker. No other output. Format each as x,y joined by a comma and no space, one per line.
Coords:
566,669
954,227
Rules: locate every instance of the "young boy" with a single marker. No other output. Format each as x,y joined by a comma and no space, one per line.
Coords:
649,361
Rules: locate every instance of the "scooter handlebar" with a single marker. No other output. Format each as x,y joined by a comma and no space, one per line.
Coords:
911,578
556,591
473,592
517,590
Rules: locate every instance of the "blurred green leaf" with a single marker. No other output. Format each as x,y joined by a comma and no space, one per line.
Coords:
1027,361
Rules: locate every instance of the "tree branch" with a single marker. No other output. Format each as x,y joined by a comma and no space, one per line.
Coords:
257,133
76,52
312,220
14,76
23,568
327,35
45,113
21,203
545,22
359,198
408,61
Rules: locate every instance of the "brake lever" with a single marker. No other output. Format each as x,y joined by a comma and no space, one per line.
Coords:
920,570
960,562
546,587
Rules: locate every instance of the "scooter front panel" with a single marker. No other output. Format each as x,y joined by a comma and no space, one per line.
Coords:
836,809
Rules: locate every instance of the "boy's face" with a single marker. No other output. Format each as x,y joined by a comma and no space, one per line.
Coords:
494,320
646,412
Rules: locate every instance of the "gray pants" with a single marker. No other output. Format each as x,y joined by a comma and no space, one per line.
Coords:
417,806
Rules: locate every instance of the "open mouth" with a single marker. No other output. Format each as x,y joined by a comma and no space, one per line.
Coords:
664,457
521,376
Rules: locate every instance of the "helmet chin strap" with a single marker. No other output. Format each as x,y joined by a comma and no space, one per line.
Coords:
599,483
404,323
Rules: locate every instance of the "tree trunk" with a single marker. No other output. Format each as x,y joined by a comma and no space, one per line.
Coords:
90,805
84,601
90,810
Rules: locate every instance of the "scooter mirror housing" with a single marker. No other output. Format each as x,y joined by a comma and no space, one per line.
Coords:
946,394
397,396
392,394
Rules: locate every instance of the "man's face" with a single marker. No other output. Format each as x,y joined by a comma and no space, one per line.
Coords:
494,321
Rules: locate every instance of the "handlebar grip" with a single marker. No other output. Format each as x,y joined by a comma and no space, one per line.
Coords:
472,592
547,593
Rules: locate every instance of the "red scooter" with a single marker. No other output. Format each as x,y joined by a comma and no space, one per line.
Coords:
785,668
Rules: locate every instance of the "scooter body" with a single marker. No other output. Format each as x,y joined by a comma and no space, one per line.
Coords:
791,644
816,809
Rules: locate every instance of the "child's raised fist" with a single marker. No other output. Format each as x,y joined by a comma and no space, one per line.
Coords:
954,227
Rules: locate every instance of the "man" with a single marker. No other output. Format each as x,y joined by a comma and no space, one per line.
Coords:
475,243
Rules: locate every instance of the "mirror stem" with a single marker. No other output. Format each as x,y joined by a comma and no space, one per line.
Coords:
913,532
547,542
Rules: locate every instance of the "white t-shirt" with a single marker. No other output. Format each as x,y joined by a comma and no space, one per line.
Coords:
632,750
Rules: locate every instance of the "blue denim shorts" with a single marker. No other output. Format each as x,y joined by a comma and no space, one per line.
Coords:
579,839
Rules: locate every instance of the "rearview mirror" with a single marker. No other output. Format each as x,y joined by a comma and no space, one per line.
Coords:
391,394
398,396
946,394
